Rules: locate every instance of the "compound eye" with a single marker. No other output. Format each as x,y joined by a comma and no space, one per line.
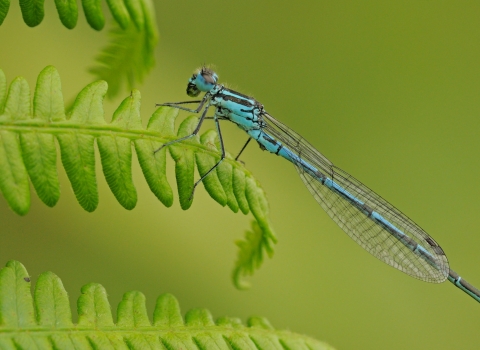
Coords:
208,78
192,90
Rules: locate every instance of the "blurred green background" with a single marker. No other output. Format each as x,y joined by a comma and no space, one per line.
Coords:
389,91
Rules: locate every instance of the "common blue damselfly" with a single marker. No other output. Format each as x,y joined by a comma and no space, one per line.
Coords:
367,218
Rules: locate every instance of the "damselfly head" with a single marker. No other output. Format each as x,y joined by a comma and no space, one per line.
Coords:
203,80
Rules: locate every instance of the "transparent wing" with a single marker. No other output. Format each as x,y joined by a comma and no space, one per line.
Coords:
361,228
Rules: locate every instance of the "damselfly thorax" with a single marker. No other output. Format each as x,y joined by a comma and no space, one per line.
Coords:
240,109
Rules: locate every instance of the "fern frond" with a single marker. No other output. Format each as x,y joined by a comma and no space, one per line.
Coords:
130,54
27,150
45,321
250,254
123,11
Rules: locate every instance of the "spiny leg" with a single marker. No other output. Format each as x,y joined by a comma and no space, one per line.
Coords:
217,123
177,104
243,148
195,132
219,118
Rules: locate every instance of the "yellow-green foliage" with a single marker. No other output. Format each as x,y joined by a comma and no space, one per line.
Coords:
45,321
27,150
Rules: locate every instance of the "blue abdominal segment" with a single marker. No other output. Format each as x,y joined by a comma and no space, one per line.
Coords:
269,144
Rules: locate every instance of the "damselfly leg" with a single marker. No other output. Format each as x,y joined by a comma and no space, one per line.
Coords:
177,104
243,148
195,132
217,124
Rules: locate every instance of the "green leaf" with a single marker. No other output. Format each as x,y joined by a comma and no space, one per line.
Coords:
119,12
48,101
219,184
154,168
4,6
78,154
13,177
39,151
202,318
51,302
93,13
250,254
16,303
151,37
17,106
185,161
116,152
240,340
32,11
53,328
3,90
27,149
93,307
239,186
88,106
132,311
78,159
259,206
259,322
128,57
225,174
68,12
199,318
135,9
205,162
40,159
131,52
167,312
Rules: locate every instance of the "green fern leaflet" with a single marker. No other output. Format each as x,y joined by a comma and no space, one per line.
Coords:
45,321
28,151
130,54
